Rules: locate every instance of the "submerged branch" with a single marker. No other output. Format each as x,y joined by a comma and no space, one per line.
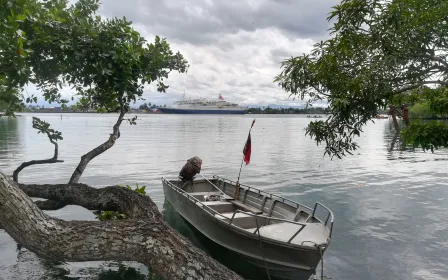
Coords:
144,237
85,159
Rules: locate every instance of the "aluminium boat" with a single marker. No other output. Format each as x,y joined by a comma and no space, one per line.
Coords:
284,237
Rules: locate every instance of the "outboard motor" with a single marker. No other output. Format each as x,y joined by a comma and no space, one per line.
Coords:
189,170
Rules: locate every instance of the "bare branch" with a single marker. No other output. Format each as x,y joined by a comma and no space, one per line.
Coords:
54,159
32,162
85,159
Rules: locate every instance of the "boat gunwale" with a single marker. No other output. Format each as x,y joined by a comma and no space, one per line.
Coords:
227,221
297,205
261,191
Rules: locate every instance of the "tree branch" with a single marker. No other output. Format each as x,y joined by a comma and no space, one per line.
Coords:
434,58
85,159
32,162
144,238
54,159
112,198
414,86
50,204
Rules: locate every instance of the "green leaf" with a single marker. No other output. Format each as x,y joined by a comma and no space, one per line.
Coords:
21,17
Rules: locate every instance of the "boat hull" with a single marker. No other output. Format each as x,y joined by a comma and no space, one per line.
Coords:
202,111
282,262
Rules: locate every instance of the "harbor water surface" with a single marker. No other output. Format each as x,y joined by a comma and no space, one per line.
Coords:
390,206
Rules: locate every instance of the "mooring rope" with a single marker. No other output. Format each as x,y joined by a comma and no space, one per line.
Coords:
322,264
262,250
318,246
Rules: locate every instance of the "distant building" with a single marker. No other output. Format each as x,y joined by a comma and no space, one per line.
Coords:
50,110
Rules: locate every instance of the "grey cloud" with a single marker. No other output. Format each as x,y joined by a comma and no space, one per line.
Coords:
234,47
204,21
280,54
268,85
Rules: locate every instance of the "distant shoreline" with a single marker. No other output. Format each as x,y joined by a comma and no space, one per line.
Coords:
160,113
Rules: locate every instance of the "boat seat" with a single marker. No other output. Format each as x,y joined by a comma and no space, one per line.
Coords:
241,220
314,232
246,207
200,195
220,206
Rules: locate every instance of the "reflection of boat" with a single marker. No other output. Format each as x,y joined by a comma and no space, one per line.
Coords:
267,230
203,106
232,260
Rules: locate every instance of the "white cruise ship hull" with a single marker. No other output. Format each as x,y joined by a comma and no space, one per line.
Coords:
233,111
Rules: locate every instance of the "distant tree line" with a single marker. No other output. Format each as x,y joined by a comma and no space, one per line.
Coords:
268,110
148,106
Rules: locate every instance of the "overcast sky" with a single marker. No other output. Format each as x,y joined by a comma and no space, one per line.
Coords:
234,47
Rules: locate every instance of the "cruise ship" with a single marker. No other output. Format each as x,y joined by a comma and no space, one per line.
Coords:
203,106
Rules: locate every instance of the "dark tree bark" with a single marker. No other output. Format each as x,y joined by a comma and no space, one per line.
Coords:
50,204
144,237
85,159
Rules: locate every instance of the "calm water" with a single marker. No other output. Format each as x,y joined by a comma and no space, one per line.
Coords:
390,206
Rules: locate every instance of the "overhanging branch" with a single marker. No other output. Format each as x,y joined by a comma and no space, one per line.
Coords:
42,127
15,175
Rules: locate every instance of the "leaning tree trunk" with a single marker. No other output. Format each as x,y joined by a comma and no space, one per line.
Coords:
144,237
85,159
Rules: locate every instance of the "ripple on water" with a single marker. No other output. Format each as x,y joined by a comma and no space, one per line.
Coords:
390,206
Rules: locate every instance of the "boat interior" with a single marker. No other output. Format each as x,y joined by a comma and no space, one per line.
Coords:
264,214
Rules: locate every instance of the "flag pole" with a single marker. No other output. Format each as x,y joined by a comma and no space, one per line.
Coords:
236,188
235,191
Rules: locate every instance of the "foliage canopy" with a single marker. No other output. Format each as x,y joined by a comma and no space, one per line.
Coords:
52,44
379,53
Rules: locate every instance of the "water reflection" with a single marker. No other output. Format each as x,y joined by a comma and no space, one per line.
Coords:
226,257
390,205
28,266
9,139
392,141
